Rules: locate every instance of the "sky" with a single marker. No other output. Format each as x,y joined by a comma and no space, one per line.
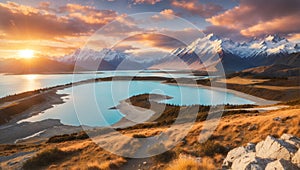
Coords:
142,28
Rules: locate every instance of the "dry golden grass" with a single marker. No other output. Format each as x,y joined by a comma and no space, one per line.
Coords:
106,165
234,130
257,83
231,132
185,163
277,87
76,146
242,81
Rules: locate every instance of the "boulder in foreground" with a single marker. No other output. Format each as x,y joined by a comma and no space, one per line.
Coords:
269,154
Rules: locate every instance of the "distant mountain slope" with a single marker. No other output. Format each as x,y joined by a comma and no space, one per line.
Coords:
105,59
34,65
205,53
271,71
209,51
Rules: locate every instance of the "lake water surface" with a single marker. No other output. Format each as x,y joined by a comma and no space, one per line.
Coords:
13,84
91,103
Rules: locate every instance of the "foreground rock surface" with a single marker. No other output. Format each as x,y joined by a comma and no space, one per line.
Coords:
269,154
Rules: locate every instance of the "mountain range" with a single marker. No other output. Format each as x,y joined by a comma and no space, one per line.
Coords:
209,53
205,53
33,66
105,59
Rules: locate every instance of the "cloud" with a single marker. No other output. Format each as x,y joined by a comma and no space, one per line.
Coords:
25,22
197,8
167,12
257,18
156,40
294,37
123,26
186,36
152,2
124,47
283,25
224,32
41,47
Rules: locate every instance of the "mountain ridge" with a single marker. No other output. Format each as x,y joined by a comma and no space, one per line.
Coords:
203,54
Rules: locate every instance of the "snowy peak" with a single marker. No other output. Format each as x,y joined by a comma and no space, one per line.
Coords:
212,37
270,45
109,55
275,38
105,59
207,52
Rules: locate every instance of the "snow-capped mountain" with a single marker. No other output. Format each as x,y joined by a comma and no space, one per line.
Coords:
206,53
271,45
92,55
105,59
234,56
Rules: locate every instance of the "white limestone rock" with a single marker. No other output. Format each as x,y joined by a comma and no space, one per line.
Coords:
296,158
281,164
236,153
249,161
275,149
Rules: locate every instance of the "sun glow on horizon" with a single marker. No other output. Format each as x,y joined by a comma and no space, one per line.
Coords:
31,77
26,53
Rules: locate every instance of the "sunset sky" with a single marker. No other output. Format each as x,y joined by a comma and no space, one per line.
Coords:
55,28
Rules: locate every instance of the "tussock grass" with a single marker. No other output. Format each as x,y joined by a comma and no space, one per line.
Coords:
107,165
191,164
68,137
46,158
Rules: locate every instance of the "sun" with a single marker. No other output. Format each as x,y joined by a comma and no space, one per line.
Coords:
26,53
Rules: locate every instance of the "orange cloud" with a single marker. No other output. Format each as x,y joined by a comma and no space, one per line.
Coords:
167,12
46,30
257,18
294,37
230,18
274,26
25,22
156,40
196,8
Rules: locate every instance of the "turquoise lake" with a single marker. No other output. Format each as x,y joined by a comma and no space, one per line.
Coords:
91,103
13,84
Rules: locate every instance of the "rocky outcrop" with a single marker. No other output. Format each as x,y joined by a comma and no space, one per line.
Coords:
281,164
296,158
249,161
237,153
275,149
271,154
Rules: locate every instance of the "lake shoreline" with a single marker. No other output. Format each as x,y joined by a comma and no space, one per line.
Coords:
258,101
56,99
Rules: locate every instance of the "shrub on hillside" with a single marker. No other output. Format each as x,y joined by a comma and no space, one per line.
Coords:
210,148
68,137
139,136
45,158
165,157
